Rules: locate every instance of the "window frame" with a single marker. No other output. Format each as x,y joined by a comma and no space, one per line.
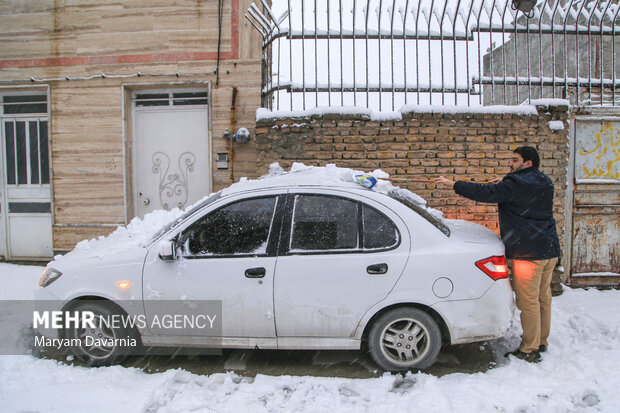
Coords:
272,237
287,228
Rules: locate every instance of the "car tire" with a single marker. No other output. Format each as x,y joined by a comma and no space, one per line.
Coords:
97,355
403,339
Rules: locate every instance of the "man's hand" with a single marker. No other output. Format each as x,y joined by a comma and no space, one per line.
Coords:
442,180
495,181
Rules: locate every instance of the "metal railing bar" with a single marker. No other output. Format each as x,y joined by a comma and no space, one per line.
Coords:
290,53
553,65
316,56
329,66
600,55
430,59
379,49
404,18
262,33
613,54
577,48
354,56
367,65
491,68
303,54
469,14
392,46
417,54
443,15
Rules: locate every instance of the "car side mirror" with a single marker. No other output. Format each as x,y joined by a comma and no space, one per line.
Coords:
167,250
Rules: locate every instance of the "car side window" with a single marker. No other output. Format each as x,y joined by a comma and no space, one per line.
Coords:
324,223
379,231
239,228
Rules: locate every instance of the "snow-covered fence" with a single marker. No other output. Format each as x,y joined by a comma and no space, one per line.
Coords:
383,54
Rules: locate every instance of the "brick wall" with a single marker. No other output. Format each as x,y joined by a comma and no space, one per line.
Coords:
423,145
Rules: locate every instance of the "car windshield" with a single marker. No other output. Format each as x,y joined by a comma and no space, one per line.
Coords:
420,210
183,217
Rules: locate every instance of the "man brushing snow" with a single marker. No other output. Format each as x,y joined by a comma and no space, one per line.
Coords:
524,200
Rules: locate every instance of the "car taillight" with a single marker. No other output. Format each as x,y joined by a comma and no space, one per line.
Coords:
494,267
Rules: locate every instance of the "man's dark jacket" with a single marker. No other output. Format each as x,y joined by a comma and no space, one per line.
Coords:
525,206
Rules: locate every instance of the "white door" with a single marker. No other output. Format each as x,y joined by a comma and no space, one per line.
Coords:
224,257
172,162
25,198
343,257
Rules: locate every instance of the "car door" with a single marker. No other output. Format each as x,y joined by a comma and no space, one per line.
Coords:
339,256
225,255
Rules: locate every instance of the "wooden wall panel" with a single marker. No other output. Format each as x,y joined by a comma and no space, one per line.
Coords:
66,237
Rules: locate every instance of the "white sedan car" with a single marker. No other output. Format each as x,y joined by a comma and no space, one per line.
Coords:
294,266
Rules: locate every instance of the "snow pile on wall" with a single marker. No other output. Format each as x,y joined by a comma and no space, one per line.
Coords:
140,231
525,110
556,125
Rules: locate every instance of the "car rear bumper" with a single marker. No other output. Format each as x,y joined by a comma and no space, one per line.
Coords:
487,317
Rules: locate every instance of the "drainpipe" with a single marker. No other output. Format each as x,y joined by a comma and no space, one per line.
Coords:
231,148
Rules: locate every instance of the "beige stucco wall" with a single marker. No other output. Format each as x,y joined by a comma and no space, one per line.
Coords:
90,119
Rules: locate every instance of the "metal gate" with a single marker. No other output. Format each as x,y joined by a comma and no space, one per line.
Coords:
595,252
383,54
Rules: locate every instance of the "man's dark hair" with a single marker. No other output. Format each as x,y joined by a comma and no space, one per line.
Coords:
529,154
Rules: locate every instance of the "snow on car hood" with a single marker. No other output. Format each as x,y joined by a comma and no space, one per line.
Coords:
141,230
466,231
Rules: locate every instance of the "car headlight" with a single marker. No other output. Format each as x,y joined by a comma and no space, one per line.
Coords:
49,276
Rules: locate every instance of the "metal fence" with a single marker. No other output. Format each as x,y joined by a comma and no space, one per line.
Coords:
383,54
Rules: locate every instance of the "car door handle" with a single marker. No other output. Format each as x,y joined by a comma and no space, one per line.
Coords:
258,272
377,269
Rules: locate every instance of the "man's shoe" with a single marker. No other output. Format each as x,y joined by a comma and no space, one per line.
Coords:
542,348
533,357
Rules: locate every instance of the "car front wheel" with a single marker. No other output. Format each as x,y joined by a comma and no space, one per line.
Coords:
404,339
102,343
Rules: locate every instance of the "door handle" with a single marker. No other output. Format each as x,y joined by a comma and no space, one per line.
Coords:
377,269
258,272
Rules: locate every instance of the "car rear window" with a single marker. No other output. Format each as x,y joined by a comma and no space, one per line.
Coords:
420,210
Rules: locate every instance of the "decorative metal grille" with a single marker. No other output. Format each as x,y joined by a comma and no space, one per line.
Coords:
383,54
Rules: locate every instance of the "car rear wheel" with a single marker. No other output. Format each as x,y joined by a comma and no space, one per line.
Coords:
104,343
405,338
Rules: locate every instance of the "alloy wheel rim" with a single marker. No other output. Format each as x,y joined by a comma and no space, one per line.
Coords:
404,341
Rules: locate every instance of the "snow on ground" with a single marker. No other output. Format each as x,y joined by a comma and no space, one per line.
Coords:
579,373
